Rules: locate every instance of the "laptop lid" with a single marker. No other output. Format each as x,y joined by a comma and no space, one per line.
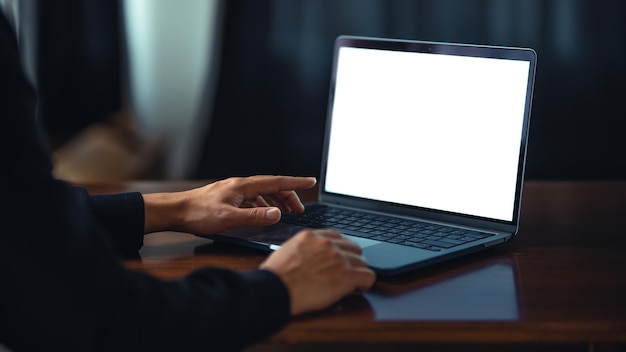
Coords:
430,130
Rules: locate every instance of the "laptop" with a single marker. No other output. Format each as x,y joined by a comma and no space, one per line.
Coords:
424,152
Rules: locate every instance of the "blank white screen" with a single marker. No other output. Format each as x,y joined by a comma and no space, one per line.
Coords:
429,130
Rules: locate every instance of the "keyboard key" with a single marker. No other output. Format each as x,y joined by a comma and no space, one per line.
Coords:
383,228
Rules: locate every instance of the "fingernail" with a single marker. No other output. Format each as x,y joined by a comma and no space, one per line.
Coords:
272,214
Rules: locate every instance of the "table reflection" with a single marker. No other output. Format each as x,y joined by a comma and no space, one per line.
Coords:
484,294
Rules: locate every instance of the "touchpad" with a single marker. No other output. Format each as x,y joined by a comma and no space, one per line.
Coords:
362,242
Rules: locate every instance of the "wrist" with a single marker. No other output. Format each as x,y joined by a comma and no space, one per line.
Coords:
163,212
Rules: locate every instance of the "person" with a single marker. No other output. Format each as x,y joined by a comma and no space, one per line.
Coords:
63,282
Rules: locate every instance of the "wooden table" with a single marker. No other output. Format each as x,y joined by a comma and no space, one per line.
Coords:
561,285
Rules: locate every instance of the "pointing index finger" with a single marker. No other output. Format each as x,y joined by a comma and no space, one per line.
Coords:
260,185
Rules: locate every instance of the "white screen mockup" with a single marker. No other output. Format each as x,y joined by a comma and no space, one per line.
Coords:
430,130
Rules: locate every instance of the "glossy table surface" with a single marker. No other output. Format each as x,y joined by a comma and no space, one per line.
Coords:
562,280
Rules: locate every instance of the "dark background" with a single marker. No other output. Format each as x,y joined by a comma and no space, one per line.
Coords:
272,92
80,64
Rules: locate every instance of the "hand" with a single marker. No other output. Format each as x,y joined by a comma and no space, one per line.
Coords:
319,267
222,205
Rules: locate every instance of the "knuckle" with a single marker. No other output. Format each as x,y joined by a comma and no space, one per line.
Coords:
336,255
236,181
253,214
325,242
221,214
307,234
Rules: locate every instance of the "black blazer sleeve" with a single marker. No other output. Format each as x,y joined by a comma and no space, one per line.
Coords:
121,215
62,287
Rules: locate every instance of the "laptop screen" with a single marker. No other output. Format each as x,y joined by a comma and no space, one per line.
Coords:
437,131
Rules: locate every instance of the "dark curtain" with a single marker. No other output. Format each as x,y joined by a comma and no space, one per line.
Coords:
79,64
272,90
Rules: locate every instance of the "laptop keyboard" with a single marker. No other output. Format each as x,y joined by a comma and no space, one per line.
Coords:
382,228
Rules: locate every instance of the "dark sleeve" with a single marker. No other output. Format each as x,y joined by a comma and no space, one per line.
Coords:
121,215
62,287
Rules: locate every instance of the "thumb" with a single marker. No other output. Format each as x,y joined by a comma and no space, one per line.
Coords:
260,216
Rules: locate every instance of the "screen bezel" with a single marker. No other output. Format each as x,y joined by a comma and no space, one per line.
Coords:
469,50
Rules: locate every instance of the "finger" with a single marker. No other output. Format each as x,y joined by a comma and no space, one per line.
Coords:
260,216
260,202
364,278
274,201
257,185
347,245
328,232
287,199
354,260
339,240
